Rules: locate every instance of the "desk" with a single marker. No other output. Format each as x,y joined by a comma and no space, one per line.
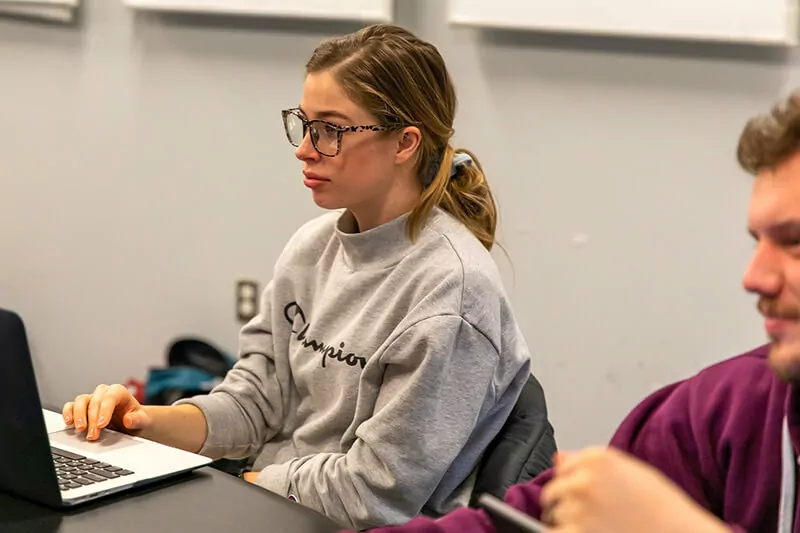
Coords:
205,501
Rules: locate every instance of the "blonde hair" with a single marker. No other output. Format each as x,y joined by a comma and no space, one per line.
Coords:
769,139
401,79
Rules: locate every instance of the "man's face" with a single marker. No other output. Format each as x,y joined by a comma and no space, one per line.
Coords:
774,271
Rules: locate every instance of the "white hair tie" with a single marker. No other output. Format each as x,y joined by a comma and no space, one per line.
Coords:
459,160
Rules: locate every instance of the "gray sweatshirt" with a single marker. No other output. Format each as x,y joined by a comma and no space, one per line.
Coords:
376,372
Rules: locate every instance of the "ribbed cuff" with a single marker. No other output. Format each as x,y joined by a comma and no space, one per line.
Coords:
275,478
218,410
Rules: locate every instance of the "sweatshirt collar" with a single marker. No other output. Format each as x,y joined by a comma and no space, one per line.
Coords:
377,248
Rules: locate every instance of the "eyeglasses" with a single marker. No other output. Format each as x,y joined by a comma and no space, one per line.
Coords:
326,137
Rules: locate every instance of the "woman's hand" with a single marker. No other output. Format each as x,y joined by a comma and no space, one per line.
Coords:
108,406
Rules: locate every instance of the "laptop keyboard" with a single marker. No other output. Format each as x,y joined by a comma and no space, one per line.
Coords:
75,471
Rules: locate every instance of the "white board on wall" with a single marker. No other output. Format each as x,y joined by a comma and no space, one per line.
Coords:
744,21
356,10
53,10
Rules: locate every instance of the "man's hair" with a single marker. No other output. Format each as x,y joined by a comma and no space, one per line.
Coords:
769,139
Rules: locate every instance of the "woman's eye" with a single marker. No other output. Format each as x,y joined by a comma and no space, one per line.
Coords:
329,130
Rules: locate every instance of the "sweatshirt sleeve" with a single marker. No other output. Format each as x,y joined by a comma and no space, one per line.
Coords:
659,431
459,521
437,381
665,431
247,409
523,496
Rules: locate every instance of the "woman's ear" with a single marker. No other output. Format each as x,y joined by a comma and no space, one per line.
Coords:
408,144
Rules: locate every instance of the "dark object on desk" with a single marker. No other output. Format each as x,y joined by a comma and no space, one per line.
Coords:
522,450
506,519
207,501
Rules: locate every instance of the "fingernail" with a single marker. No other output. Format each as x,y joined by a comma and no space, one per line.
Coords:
101,421
92,433
68,420
79,423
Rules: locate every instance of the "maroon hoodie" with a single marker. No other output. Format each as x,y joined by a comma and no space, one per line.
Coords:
717,435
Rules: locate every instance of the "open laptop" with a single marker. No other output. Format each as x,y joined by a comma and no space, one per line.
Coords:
43,460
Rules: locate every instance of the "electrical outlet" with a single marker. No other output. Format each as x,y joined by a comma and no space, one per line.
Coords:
246,300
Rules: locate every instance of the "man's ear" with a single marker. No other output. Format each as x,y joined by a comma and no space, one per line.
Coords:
408,144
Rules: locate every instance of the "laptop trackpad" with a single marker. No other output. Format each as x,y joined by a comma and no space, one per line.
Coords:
109,441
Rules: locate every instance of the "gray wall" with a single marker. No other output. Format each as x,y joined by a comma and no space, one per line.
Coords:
143,169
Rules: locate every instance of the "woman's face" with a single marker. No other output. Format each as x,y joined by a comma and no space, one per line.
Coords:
364,174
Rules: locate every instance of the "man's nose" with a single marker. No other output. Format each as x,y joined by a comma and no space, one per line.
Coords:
763,275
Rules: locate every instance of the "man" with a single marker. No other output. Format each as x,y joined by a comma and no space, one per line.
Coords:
727,437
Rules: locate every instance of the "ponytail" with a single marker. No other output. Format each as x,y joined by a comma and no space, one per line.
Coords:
466,196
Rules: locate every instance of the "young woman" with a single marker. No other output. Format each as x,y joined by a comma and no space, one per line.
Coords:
385,356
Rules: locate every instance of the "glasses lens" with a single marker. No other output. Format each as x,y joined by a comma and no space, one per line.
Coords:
294,128
325,137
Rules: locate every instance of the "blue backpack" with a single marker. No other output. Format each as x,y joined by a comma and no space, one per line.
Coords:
194,367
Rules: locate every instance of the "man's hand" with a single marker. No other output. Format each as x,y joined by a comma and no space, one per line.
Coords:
250,476
603,490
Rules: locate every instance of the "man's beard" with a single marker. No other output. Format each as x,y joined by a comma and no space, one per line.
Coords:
784,355
787,368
